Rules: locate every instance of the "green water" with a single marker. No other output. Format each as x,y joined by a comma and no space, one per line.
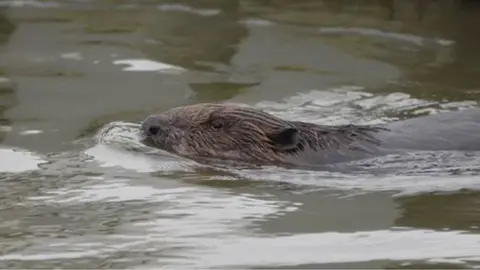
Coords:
67,69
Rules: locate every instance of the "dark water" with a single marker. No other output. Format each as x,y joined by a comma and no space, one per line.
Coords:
79,191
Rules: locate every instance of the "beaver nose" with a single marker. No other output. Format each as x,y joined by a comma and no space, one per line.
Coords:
154,124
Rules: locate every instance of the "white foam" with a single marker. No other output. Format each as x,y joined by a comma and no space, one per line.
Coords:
108,156
118,145
185,8
148,65
14,160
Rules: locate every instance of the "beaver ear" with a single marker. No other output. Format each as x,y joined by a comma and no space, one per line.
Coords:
284,138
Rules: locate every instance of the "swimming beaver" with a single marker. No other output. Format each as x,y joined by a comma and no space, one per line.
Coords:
249,135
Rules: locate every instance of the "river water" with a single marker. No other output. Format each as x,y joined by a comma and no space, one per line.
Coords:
79,191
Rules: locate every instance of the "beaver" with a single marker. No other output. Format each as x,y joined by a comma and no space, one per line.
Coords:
233,132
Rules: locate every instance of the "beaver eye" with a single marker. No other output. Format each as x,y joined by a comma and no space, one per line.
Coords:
217,124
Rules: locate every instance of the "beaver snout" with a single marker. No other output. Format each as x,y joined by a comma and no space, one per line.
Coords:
154,125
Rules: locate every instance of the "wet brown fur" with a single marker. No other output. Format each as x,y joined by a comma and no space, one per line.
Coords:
234,132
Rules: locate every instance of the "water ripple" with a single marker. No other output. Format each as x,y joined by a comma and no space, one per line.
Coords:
417,40
332,247
16,160
179,219
146,210
405,174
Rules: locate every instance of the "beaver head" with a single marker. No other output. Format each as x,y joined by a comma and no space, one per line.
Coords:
221,131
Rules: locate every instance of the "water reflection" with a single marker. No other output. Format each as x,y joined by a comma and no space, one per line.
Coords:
196,41
8,98
458,211
217,91
205,42
429,69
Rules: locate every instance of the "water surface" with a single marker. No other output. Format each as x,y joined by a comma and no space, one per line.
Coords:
80,191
